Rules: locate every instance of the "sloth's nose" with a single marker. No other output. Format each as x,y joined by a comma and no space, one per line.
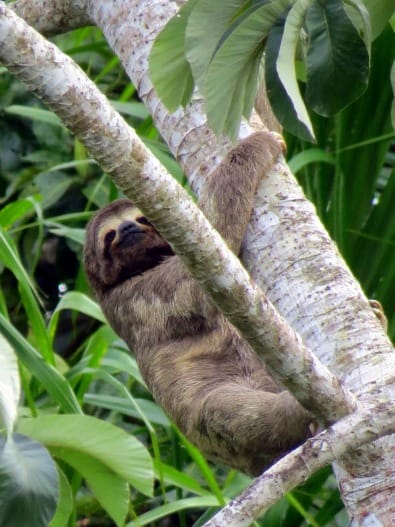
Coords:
129,227
127,232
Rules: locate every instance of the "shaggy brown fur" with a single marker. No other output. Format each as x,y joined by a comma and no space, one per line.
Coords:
207,378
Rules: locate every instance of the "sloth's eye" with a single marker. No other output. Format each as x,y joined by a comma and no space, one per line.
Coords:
108,238
143,220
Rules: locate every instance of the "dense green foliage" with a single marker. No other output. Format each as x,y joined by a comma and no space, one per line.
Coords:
71,363
211,43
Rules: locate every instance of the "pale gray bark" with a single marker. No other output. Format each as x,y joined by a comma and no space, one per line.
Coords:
54,16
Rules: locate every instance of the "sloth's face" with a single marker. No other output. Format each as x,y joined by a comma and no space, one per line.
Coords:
121,243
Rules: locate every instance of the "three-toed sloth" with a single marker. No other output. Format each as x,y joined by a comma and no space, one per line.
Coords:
198,368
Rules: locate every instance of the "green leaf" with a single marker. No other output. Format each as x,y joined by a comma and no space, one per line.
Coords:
65,502
15,211
393,90
311,155
231,79
52,186
337,59
122,361
9,257
51,379
153,413
10,385
204,468
111,446
287,106
152,516
177,478
170,72
29,295
359,17
286,60
36,114
72,233
28,483
111,490
380,12
131,108
76,301
206,25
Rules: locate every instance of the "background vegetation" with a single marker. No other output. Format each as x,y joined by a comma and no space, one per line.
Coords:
48,189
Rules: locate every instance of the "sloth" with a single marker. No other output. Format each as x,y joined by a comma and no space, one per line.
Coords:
198,368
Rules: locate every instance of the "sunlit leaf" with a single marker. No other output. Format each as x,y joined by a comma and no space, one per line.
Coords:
231,79
112,446
111,490
170,72
15,211
206,25
10,385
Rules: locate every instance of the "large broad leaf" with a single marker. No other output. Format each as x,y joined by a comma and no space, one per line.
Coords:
337,59
380,12
170,71
28,483
111,490
208,22
231,79
100,440
283,93
10,385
